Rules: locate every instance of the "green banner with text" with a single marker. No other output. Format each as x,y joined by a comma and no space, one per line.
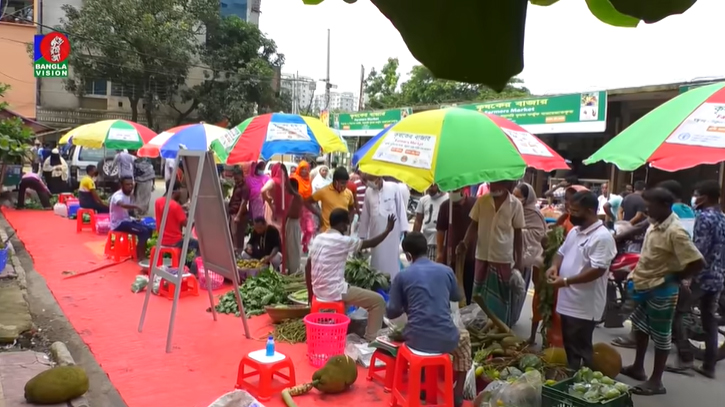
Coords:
574,113
366,123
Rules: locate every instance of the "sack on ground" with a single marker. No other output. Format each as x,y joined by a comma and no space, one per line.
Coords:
525,391
236,398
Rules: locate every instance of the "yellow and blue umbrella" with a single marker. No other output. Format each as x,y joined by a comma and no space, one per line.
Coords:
455,148
112,134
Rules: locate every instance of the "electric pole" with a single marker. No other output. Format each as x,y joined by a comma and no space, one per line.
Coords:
328,85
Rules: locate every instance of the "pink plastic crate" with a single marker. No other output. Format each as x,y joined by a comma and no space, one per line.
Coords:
103,224
217,280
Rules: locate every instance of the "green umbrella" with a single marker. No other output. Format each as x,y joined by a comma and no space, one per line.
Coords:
687,131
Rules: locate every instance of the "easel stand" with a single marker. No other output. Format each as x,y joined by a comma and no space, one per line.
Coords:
216,248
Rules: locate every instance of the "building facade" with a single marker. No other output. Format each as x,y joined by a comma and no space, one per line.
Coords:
339,101
16,69
301,90
247,10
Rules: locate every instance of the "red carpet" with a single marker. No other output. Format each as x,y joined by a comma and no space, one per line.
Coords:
104,311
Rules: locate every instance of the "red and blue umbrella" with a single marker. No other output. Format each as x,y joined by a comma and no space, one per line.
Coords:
196,137
277,133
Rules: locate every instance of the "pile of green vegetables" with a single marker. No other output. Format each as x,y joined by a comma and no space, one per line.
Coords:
358,273
595,387
266,288
545,292
290,331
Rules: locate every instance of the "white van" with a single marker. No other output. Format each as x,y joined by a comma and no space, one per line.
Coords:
81,157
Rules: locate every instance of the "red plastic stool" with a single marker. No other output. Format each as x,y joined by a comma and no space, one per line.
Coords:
337,307
80,225
189,286
120,244
175,253
62,198
266,368
415,363
388,371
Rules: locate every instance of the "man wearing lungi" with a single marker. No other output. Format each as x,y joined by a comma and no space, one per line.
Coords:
579,271
668,257
497,218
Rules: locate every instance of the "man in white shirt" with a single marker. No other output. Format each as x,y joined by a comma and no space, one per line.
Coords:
325,269
497,218
124,161
383,199
426,216
579,271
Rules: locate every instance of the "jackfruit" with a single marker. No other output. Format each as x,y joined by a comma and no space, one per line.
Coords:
338,374
57,385
554,356
606,359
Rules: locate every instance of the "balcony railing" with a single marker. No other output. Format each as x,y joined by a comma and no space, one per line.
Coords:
76,117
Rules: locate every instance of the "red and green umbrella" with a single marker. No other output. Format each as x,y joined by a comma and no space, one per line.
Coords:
687,131
455,148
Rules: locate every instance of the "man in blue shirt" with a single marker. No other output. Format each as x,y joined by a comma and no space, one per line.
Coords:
427,292
705,288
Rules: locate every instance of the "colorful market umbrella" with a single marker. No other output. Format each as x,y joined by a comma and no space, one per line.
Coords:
192,136
686,131
455,148
277,133
112,134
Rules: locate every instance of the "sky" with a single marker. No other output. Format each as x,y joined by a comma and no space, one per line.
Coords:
567,50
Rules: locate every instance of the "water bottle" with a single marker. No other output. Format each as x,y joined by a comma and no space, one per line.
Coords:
270,347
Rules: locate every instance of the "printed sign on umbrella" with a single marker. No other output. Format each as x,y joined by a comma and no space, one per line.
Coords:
687,131
112,134
276,133
455,148
196,137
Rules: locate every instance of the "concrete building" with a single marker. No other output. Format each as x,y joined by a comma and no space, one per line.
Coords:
300,88
103,99
339,101
16,69
247,10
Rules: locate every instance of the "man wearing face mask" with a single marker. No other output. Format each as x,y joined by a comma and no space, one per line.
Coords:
497,218
451,232
426,216
383,199
331,197
704,291
579,271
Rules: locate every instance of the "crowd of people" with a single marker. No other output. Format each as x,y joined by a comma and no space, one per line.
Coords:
499,237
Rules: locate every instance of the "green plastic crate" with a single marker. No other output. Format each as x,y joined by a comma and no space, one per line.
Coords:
557,395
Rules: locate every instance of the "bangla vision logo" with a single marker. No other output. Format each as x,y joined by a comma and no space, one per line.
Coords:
50,55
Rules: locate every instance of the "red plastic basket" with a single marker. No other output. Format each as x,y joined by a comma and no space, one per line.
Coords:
217,280
326,334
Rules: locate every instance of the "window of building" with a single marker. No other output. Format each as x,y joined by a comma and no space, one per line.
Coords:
119,90
17,11
98,87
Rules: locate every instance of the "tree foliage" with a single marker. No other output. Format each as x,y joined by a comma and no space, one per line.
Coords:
15,138
242,64
422,88
144,47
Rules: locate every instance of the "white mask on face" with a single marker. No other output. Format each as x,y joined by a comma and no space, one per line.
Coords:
497,193
373,185
260,172
455,196
693,203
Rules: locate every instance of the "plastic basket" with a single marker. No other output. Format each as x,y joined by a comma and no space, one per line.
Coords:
3,259
217,280
326,334
557,395
103,223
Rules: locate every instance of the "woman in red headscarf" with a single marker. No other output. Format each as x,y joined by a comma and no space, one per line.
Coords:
307,223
